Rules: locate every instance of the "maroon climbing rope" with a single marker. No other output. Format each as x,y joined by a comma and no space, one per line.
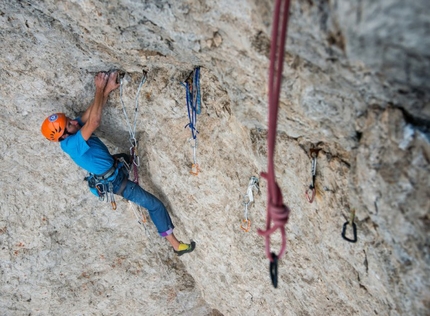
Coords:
276,210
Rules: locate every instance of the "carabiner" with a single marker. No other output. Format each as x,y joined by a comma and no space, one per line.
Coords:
312,189
133,152
101,191
133,142
195,169
248,225
143,217
354,228
273,268
136,160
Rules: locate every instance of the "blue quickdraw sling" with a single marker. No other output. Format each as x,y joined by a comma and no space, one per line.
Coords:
192,91
193,96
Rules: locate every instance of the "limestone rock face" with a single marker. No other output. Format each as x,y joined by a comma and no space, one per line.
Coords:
355,85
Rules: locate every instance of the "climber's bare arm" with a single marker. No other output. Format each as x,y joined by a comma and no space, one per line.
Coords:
91,119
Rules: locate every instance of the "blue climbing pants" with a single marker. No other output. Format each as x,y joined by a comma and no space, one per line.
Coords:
134,193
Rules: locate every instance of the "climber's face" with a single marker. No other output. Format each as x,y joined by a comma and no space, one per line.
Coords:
72,127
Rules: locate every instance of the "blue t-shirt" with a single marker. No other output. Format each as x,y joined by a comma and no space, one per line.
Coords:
91,155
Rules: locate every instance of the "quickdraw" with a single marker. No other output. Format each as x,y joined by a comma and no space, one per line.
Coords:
310,193
193,98
140,216
135,160
247,200
354,228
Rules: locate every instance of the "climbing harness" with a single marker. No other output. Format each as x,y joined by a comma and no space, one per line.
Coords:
314,155
354,228
248,198
101,185
276,210
193,97
135,160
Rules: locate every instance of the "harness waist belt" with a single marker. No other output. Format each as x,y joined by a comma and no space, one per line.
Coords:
108,173
123,184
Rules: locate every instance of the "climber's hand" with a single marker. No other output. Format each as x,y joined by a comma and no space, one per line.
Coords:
100,80
112,83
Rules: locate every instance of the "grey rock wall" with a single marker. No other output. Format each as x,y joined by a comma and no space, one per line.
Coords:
355,85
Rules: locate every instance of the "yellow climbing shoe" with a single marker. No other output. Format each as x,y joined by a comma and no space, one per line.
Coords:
184,248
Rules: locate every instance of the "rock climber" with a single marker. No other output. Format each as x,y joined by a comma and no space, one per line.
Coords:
90,153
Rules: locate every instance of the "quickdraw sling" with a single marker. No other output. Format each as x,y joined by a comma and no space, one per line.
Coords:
135,161
193,97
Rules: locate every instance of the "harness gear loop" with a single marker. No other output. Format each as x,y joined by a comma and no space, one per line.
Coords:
354,228
276,210
310,193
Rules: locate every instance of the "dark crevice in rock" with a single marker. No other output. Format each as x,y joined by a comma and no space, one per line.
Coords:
419,123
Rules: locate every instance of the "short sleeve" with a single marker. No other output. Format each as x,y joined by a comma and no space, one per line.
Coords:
75,144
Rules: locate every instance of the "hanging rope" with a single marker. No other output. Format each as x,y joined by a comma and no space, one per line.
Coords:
247,200
135,160
193,97
276,210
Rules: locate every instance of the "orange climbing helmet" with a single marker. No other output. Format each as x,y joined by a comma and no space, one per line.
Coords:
53,126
